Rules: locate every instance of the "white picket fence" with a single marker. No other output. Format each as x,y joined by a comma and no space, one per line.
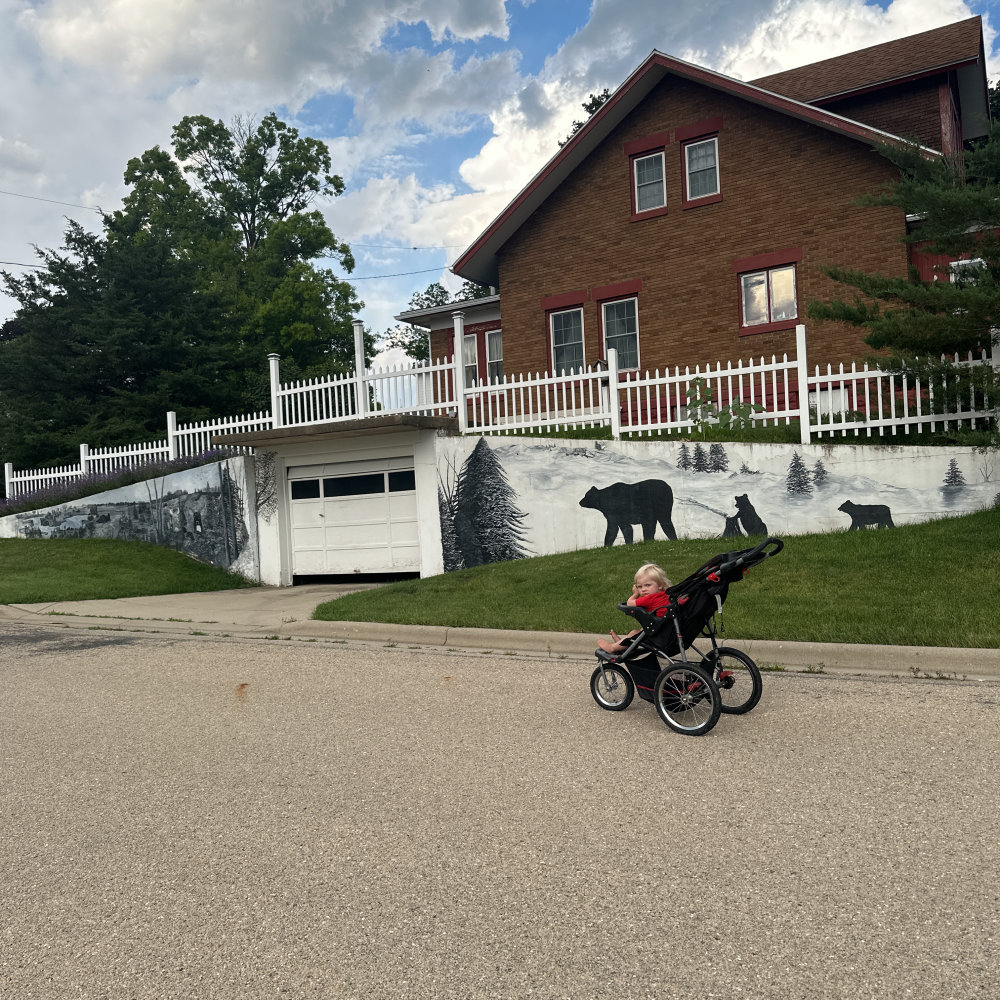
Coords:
849,401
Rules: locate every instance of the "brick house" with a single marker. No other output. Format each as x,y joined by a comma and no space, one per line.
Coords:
690,219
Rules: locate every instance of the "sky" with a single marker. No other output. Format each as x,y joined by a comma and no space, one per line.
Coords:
436,112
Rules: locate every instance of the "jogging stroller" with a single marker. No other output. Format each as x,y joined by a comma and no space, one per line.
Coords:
689,691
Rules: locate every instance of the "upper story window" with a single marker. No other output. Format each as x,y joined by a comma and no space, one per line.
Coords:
648,170
701,169
967,272
768,290
650,183
494,356
567,340
621,330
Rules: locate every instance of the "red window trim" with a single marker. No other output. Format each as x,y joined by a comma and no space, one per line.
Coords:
566,300
699,130
621,290
647,144
762,261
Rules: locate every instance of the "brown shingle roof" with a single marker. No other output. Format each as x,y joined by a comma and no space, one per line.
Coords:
914,55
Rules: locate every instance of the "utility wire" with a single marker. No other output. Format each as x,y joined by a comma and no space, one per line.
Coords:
51,201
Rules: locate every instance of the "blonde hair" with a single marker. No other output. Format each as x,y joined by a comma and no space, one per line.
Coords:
655,573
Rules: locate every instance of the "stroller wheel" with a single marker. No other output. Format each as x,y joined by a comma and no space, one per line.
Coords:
737,678
612,687
687,699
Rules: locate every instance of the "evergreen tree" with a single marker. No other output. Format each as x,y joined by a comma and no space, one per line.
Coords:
700,461
820,475
684,461
954,479
718,460
745,470
798,482
487,523
450,549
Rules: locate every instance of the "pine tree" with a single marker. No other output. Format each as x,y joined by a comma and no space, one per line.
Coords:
684,461
954,480
487,523
449,539
700,462
798,481
718,460
820,475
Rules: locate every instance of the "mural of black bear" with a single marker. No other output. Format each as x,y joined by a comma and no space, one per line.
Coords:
648,503
749,519
864,515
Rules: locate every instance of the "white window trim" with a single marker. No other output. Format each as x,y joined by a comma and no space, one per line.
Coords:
552,336
767,271
494,335
604,325
661,155
687,169
468,338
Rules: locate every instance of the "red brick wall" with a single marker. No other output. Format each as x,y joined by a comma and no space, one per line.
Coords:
784,184
911,110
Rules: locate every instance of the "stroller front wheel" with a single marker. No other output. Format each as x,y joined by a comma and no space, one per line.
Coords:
612,687
687,699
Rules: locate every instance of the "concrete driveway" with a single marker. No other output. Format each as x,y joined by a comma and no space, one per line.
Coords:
207,817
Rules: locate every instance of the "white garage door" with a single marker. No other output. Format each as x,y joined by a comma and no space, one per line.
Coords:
354,517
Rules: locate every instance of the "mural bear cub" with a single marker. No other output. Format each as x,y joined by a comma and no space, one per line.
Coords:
749,518
648,503
862,515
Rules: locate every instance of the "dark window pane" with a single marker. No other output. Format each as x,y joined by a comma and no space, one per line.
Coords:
401,481
305,489
352,486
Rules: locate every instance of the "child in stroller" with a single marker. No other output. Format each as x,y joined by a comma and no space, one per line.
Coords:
689,692
648,592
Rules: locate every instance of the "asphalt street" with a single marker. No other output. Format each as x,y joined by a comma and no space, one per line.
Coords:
217,817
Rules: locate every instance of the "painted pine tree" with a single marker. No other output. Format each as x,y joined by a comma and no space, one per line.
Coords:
449,539
684,462
718,460
488,525
819,474
954,480
798,482
700,461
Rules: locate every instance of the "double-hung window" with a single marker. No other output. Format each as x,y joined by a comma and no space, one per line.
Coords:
494,356
567,340
650,182
701,169
768,290
621,331
470,358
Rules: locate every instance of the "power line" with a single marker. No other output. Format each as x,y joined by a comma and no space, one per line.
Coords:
16,263
401,274
51,201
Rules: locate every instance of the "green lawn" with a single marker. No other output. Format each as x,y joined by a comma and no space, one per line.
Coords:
932,584
33,571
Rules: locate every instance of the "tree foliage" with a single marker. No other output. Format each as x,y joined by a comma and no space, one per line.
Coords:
414,340
592,105
210,265
956,204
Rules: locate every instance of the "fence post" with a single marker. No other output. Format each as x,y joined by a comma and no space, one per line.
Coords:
84,458
360,371
8,479
458,362
273,361
802,367
171,434
613,405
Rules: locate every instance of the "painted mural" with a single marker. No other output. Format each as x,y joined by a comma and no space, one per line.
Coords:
201,512
480,522
583,494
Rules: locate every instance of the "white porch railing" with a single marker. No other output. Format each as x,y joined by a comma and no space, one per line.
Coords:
850,401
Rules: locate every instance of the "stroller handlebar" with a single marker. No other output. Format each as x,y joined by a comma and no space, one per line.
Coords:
750,557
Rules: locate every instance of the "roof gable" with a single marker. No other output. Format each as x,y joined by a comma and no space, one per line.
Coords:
479,262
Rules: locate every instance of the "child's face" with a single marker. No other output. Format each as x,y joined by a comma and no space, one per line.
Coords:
645,585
